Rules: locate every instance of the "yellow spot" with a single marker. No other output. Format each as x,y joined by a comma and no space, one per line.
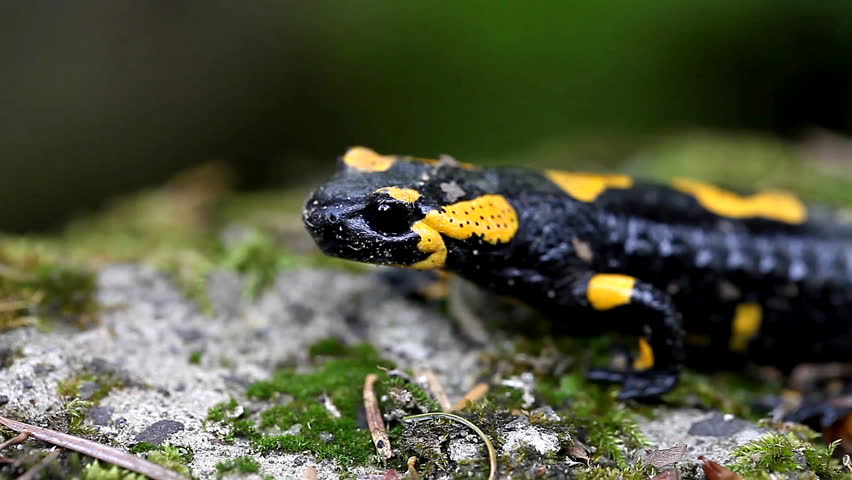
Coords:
432,243
407,195
489,216
366,160
646,356
772,204
747,320
587,186
609,290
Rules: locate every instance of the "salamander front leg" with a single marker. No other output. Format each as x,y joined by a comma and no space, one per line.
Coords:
656,321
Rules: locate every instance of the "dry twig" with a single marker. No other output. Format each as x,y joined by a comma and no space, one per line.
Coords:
15,440
374,419
478,391
437,390
412,470
94,449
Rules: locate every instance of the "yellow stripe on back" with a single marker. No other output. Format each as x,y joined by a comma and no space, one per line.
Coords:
772,204
609,290
587,186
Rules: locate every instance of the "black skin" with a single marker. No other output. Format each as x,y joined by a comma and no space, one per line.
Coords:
693,267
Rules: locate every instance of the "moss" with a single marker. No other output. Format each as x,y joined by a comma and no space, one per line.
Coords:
220,411
36,290
95,471
195,358
781,453
608,424
75,410
771,453
638,471
243,464
338,380
422,399
729,392
327,347
173,457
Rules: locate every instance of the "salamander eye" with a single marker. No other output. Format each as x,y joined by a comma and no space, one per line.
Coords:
388,215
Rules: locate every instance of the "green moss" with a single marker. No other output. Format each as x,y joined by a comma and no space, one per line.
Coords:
195,358
338,380
173,457
729,392
327,347
75,410
36,290
638,471
781,453
244,464
95,471
609,425
424,401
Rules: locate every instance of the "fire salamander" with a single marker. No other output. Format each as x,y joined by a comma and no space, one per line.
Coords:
679,265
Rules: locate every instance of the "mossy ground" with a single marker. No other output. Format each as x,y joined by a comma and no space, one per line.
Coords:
194,226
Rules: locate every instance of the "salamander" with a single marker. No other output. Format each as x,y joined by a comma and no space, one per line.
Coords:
683,266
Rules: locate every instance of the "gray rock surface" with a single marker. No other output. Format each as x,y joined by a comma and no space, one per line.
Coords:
148,330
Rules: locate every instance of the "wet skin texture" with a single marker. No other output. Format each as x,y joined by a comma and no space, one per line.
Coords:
688,268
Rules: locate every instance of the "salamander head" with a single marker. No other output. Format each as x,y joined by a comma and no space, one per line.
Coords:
392,210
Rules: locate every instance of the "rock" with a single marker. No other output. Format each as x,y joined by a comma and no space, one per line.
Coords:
4,400
718,425
189,334
100,415
158,432
88,390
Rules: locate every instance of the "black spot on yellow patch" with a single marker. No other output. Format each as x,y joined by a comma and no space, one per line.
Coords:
609,290
587,186
772,204
490,217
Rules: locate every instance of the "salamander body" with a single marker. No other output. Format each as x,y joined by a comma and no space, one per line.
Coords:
683,264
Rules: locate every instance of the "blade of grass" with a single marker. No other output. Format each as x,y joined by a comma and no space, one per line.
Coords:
492,454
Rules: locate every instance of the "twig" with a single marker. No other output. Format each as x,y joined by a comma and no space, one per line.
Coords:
31,473
492,454
437,390
94,449
412,471
374,419
310,473
478,391
19,438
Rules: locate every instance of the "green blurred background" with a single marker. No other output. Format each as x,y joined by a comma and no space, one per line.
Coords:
109,96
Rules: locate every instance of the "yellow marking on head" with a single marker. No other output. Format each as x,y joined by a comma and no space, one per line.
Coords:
432,243
406,195
587,186
747,320
366,160
771,204
490,216
609,290
645,360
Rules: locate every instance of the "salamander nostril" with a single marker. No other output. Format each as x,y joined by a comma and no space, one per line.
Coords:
332,218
